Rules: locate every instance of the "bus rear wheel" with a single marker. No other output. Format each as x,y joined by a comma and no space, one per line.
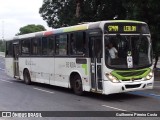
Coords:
27,78
77,85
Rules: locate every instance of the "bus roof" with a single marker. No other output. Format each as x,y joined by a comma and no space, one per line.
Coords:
89,25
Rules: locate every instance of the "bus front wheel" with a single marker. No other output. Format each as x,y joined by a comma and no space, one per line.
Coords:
27,78
77,85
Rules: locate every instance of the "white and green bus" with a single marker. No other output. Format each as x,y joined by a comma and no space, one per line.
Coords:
104,57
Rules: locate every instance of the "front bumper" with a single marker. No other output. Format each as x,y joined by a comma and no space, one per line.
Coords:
110,88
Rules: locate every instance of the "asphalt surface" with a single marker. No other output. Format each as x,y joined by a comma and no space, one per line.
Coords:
16,96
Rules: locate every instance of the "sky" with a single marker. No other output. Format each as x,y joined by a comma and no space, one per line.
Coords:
18,13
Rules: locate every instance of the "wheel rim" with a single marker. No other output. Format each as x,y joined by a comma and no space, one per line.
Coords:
78,85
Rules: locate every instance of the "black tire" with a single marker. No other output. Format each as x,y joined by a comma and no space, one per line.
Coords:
27,78
77,85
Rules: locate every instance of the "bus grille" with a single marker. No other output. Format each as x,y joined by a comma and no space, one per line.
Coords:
132,86
134,73
131,75
132,79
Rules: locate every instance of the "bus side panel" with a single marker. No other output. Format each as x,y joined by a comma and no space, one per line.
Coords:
62,71
65,66
24,62
42,70
9,68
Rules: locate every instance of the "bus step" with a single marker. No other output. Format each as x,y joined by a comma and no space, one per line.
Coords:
95,90
17,77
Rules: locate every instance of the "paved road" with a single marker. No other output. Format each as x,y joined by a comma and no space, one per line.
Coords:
16,96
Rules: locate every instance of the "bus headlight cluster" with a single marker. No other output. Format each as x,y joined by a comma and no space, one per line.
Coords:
112,78
149,76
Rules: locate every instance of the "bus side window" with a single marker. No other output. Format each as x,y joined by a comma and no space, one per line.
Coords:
25,47
72,44
9,48
78,43
50,49
61,44
36,46
44,45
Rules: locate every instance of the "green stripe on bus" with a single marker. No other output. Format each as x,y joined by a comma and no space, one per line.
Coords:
132,74
85,68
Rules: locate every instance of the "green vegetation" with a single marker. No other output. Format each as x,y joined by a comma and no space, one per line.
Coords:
59,13
30,29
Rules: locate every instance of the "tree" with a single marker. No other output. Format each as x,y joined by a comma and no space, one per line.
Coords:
144,10
60,13
30,29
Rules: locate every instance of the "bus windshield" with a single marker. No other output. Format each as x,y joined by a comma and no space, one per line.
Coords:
127,52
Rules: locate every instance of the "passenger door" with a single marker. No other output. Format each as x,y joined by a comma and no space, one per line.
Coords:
15,59
95,43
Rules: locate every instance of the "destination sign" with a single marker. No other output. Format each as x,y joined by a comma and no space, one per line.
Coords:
126,28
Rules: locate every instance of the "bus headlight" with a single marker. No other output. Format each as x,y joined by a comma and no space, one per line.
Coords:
149,76
112,78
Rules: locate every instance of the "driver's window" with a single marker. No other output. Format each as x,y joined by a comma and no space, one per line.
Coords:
111,47
122,47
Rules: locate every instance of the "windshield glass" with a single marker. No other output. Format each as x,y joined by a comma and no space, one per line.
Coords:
125,51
